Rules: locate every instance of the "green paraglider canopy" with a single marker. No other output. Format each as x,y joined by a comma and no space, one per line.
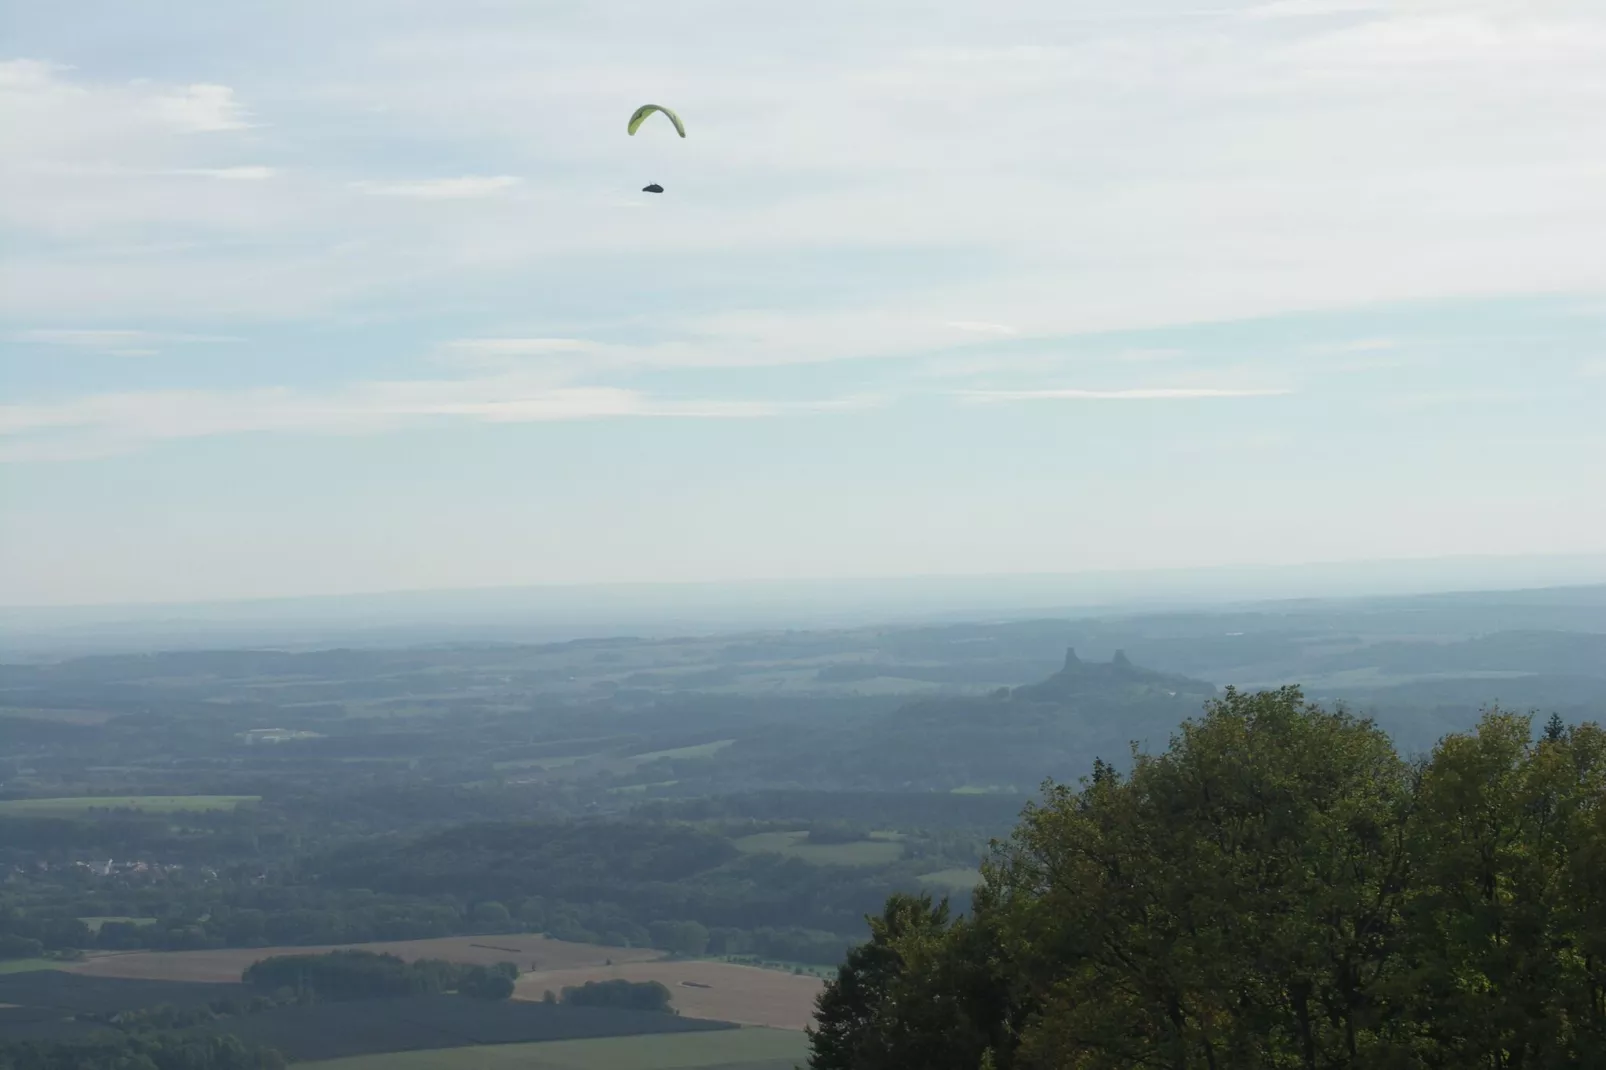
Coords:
639,116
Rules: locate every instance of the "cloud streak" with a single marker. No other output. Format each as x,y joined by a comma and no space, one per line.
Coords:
108,424
249,173
1358,345
115,341
520,347
1293,9
1177,393
465,187
202,109
975,327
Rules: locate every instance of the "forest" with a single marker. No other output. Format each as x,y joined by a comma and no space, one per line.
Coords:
1333,874
1279,888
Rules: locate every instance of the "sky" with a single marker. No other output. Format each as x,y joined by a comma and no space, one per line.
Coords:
307,298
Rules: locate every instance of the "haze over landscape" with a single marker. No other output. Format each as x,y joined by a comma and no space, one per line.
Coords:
1034,536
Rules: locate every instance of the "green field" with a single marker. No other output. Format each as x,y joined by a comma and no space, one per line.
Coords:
875,852
734,1049
701,750
95,923
953,880
158,804
28,965
558,762
58,716
634,789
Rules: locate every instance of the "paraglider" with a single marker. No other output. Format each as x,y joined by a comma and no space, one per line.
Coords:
639,116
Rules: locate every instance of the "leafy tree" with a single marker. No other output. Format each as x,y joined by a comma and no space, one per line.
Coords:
679,937
1506,921
19,947
491,915
1232,903
488,982
621,994
1278,889
907,997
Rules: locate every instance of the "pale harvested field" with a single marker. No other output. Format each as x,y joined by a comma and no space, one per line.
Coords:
526,951
743,994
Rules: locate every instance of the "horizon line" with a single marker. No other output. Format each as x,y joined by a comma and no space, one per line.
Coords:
578,586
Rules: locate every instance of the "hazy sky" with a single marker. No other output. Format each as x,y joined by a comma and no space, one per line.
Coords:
352,295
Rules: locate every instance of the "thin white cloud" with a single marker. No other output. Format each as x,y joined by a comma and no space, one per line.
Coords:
28,74
1287,9
1146,355
1593,368
106,424
1358,345
555,360
201,108
847,403
251,173
113,341
86,162
744,338
1457,41
1134,394
82,339
978,327
521,347
466,187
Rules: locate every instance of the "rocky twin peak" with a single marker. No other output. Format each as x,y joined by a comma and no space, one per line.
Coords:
1072,662
1080,677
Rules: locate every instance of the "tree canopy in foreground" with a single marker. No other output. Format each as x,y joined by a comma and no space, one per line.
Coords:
1280,888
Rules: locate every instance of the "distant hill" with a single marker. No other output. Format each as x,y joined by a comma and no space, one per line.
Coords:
1013,739
1550,652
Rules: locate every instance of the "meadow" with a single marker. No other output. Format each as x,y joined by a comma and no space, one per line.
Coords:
10,966
876,851
96,923
385,1027
952,880
736,1049
701,750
